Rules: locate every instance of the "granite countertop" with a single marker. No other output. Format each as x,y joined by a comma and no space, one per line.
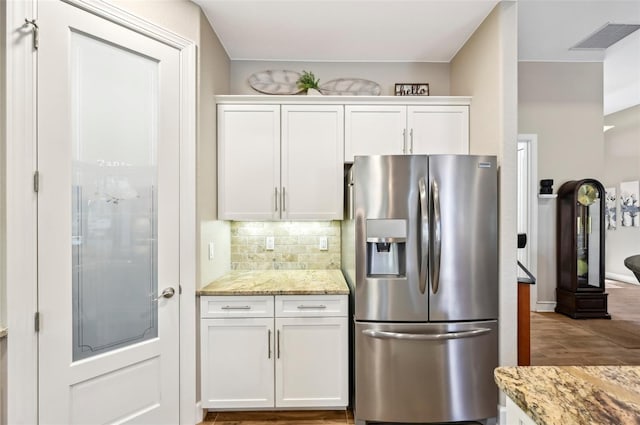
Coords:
278,282
568,395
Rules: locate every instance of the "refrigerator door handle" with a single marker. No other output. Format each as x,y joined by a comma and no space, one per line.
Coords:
437,238
424,235
425,337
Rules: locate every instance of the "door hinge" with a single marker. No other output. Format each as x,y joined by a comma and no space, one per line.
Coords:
36,321
36,181
36,32
179,289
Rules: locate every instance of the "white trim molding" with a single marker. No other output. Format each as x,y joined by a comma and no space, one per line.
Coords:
545,306
21,214
622,278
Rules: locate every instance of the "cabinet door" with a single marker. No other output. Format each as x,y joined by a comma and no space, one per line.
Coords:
311,362
374,130
312,162
248,162
237,363
438,129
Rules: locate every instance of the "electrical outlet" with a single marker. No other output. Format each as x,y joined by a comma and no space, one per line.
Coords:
210,250
270,243
324,244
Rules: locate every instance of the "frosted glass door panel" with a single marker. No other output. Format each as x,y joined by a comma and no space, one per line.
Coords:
114,196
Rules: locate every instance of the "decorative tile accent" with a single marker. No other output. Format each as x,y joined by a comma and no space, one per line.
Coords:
296,245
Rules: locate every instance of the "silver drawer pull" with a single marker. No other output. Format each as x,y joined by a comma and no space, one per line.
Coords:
302,306
240,307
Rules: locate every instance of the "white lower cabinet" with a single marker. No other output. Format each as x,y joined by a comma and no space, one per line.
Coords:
296,357
516,416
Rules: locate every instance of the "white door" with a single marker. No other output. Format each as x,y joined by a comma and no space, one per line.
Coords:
312,162
249,162
374,130
438,129
312,362
108,222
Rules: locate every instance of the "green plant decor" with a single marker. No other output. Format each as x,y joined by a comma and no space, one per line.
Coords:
307,81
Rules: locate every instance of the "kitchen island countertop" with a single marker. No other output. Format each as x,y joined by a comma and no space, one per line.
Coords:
278,282
563,395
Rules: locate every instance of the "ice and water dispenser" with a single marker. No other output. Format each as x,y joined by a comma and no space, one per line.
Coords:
386,248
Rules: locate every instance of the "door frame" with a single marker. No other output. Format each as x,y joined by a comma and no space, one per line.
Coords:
531,140
20,140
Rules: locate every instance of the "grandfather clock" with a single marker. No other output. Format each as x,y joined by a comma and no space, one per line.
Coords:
580,286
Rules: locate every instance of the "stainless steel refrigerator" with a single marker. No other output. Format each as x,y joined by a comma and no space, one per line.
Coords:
425,273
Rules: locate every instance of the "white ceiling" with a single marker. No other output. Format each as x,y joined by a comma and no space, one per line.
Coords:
402,30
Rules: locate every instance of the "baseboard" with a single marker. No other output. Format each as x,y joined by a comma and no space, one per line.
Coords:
502,415
545,306
622,278
200,412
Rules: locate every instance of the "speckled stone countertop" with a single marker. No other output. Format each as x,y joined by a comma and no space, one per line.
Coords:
278,282
574,395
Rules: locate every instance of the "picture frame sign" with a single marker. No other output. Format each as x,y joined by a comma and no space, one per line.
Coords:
411,89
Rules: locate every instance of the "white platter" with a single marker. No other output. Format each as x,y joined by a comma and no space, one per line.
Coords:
275,82
351,86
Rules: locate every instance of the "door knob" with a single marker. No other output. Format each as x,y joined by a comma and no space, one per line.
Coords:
167,293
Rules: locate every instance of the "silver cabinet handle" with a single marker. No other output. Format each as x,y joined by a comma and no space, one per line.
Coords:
437,238
276,197
404,140
424,235
411,144
167,293
302,306
278,343
284,199
425,337
269,344
233,307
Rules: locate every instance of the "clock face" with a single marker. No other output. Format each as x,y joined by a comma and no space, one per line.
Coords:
587,194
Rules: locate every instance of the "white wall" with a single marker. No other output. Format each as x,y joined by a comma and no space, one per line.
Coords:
384,73
561,102
486,69
622,163
622,74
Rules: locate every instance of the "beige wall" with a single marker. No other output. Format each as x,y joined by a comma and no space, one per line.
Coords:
486,69
622,163
562,104
214,78
384,73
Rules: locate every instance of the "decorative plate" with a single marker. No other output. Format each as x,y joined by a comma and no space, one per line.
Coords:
350,86
275,82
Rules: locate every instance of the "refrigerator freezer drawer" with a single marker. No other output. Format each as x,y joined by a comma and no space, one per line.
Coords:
425,372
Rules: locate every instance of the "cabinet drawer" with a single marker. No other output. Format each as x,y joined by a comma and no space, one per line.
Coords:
236,306
311,305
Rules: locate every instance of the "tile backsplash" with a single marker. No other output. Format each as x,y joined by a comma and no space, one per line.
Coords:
296,245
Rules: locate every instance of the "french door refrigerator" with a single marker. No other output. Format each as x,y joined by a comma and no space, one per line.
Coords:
426,288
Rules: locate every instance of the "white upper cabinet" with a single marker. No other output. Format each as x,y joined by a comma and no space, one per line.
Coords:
280,162
438,129
312,158
374,130
406,129
248,162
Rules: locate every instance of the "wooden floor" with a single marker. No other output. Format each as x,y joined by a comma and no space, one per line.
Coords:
311,417
559,340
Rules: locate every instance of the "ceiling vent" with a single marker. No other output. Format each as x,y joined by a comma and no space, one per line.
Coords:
606,36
